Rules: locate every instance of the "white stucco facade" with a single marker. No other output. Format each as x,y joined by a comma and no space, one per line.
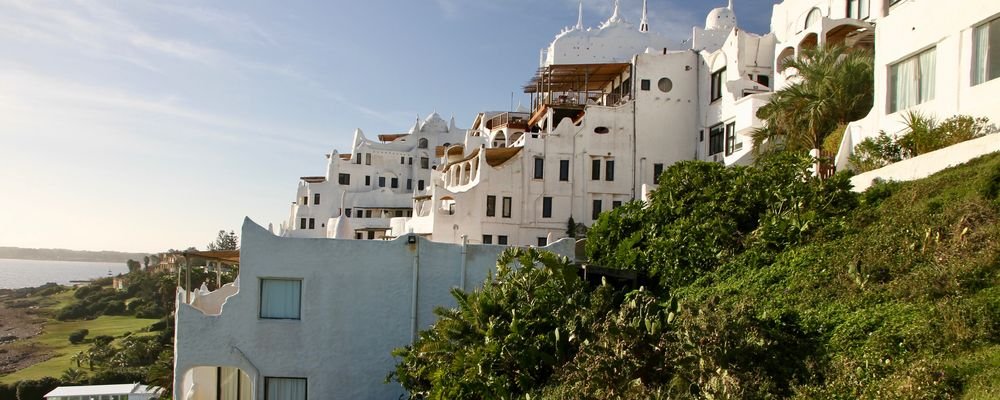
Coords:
358,301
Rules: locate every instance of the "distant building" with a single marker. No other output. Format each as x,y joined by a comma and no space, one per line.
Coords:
131,391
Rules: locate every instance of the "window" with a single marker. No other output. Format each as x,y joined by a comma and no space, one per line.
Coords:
986,52
715,139
539,167
665,85
368,213
595,170
615,204
420,184
381,181
542,242
487,239
359,235
231,386
394,183
409,184
397,213
302,223
305,200
371,235
491,206
368,158
312,223
422,144
315,198
502,239
813,18
506,207
564,170
284,388
701,136
344,179
730,137
347,212
402,160
911,81
368,180
718,79
425,162
644,84
764,80
858,9
409,161
602,130
357,159
609,170
280,298
657,171
596,212
546,207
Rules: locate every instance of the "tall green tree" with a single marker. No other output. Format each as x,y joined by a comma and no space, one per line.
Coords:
225,241
831,85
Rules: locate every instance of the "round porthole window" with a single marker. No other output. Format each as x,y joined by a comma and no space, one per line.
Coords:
665,85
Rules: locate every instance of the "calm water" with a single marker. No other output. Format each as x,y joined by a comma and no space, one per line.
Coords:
29,273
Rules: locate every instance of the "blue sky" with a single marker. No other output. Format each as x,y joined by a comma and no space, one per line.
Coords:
142,126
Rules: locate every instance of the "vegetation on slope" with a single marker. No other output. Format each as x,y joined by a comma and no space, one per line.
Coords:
764,283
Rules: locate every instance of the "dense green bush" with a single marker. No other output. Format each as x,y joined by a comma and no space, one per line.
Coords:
36,389
78,336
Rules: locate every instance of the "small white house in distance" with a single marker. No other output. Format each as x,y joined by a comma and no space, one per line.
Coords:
318,318
128,391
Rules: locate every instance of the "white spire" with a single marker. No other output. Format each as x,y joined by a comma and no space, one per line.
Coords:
644,23
579,18
614,15
730,5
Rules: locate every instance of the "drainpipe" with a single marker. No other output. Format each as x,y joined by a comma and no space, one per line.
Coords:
416,281
465,244
635,126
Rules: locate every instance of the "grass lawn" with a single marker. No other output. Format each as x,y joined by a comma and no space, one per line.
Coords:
55,338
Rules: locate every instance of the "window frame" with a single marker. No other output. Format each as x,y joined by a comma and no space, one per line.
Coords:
487,239
502,240
730,138
564,170
267,383
539,170
893,105
344,178
595,169
315,198
716,139
491,205
546,206
595,212
644,84
718,79
260,299
980,77
505,209
609,170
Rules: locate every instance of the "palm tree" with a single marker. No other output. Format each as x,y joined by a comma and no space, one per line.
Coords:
832,85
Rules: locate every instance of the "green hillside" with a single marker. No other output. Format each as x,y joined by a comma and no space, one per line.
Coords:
761,282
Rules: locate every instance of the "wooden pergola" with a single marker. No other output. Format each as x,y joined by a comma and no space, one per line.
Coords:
574,85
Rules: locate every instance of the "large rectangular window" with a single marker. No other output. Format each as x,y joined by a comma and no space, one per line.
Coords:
394,183
344,179
596,212
539,167
911,81
609,170
730,137
546,207
425,162
858,9
280,298
595,170
491,206
986,52
715,139
564,170
285,388
506,207
657,171
718,80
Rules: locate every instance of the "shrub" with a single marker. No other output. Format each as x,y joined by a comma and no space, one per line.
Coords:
77,336
103,340
875,153
36,389
8,391
114,307
72,311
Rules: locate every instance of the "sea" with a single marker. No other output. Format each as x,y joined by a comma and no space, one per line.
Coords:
30,273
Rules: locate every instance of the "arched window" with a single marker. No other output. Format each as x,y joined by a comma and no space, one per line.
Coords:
422,143
812,18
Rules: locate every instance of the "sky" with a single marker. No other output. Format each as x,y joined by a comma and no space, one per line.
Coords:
144,126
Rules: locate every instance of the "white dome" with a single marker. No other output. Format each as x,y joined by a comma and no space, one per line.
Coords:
722,18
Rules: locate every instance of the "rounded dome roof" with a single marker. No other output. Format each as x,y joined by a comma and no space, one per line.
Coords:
339,228
720,18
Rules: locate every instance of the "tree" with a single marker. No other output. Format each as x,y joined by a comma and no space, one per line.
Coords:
145,261
571,227
225,241
77,336
133,265
832,85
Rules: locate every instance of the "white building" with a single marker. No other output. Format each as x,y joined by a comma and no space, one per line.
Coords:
319,316
130,391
